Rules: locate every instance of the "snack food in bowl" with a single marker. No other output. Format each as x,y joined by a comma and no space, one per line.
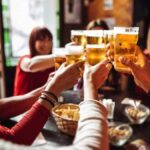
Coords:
119,134
66,117
137,115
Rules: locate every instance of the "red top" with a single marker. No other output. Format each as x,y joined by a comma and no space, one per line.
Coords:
28,81
27,129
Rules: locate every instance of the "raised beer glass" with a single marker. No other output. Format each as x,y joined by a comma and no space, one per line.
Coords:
59,57
95,53
125,39
74,53
78,37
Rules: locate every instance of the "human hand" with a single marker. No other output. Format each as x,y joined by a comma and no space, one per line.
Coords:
140,70
97,74
110,51
94,77
64,78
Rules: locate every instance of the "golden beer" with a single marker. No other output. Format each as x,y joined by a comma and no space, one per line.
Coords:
95,53
59,56
74,53
78,37
94,36
125,47
71,59
58,61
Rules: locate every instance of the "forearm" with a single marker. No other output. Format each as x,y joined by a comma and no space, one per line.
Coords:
39,63
89,91
92,128
13,106
26,130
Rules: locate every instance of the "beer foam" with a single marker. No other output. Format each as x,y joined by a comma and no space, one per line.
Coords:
77,32
108,32
94,33
96,45
126,30
58,50
73,49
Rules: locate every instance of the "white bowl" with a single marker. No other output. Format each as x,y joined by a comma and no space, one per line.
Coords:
137,115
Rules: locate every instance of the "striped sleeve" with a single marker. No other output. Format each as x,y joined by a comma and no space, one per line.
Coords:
92,128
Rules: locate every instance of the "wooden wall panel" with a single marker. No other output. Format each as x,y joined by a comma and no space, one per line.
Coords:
122,11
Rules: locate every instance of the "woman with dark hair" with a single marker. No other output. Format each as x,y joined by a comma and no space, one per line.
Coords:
33,70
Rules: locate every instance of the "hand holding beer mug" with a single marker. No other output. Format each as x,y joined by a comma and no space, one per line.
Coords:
125,40
59,57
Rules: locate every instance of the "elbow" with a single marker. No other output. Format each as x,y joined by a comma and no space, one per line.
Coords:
33,68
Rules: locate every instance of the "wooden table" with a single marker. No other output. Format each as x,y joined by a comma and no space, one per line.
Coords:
56,138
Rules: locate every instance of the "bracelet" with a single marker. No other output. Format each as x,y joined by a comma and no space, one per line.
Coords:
43,98
50,98
50,94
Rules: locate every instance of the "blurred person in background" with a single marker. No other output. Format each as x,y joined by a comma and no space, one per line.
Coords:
33,70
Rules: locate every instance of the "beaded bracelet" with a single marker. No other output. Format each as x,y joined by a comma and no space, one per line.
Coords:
51,94
49,97
43,98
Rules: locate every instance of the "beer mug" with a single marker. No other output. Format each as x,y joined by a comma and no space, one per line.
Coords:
95,53
59,57
94,36
78,37
125,40
74,53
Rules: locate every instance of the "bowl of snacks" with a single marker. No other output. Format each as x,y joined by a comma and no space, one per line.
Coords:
66,117
119,134
138,114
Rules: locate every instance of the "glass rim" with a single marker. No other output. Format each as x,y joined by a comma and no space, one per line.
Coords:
77,32
94,33
108,32
102,45
126,30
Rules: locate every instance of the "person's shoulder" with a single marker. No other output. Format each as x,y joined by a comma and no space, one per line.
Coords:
24,56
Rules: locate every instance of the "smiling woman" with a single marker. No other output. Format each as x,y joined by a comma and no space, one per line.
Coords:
36,66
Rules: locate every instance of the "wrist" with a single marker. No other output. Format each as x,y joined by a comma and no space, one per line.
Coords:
53,87
90,92
46,104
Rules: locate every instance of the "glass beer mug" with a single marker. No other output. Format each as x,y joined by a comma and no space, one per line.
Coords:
59,57
78,37
74,53
125,39
95,48
95,53
94,36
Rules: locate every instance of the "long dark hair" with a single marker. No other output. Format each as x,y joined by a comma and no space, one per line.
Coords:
38,33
